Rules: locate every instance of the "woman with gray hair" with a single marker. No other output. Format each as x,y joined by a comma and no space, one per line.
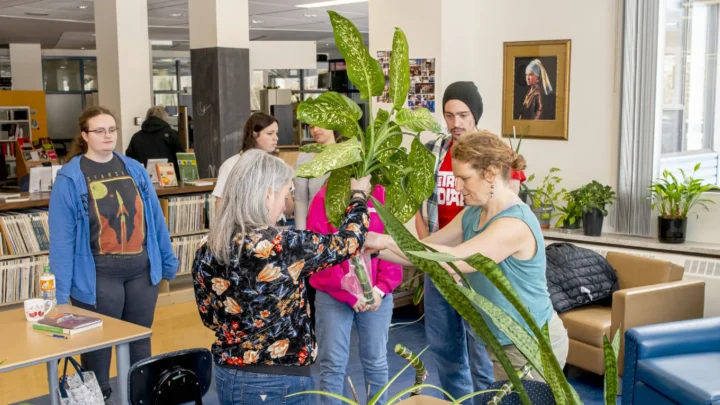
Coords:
155,140
537,79
250,282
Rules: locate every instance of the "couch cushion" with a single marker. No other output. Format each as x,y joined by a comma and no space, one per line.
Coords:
642,394
690,379
588,324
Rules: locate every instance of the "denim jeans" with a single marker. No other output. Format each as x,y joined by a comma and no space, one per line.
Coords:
334,324
237,387
463,365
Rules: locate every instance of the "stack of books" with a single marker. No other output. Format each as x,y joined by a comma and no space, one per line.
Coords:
67,324
185,248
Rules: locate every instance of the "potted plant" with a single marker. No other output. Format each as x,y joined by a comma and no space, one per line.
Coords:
408,176
544,197
674,199
571,215
592,199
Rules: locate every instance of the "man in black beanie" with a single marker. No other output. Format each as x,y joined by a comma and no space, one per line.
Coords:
463,364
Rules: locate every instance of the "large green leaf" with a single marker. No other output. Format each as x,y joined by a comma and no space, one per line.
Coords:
362,69
611,372
332,111
389,146
401,204
417,120
550,377
399,70
447,287
333,156
312,148
421,180
337,195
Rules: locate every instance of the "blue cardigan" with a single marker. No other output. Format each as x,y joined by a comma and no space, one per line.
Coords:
70,255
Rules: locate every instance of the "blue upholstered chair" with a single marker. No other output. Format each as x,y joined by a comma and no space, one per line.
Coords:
673,363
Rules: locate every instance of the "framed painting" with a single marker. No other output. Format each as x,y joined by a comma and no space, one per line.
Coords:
536,89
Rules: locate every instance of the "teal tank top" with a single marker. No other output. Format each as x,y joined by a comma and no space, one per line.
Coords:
526,276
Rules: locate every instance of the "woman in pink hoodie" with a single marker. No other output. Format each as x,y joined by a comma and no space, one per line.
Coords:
336,310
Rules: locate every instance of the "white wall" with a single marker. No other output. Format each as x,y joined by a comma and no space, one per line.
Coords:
26,67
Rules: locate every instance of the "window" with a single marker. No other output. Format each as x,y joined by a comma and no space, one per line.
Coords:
171,77
5,75
689,94
61,75
67,81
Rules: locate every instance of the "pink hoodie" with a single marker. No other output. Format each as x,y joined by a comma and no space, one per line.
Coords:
385,275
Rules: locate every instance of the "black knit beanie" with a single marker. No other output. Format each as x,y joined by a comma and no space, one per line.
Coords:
468,93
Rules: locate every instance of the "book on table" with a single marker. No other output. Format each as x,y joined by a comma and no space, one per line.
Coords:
67,323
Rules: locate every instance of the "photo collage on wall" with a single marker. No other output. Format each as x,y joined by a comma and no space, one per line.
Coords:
422,82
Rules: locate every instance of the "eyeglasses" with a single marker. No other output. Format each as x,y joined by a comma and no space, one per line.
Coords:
103,131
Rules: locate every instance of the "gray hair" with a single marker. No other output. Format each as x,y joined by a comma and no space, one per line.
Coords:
242,208
157,111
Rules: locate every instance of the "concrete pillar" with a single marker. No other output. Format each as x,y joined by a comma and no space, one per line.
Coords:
220,65
26,67
440,29
124,81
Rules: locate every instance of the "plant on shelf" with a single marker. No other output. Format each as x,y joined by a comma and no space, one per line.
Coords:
571,215
544,197
592,199
408,177
674,199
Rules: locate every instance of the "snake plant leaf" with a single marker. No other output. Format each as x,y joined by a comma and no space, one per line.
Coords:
419,293
523,340
616,342
611,371
332,111
362,69
447,287
333,156
551,378
399,70
417,120
421,181
385,387
312,148
337,195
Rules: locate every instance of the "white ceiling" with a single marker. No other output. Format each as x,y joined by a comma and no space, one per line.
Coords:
63,24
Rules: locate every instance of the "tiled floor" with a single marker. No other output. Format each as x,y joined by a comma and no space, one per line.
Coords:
589,386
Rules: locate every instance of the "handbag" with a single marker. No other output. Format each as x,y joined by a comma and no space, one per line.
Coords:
81,388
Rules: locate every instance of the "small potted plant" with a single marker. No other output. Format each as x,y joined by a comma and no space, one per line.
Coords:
674,199
571,215
544,197
592,199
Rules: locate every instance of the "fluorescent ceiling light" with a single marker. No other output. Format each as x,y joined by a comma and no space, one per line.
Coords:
82,7
161,42
330,3
257,21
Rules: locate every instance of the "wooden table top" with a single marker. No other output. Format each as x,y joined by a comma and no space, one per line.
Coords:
24,346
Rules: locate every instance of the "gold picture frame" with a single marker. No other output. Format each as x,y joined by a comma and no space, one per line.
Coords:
536,89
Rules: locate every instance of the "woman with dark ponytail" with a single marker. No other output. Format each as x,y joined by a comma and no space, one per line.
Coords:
109,244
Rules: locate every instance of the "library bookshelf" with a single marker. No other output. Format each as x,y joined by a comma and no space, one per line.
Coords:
25,242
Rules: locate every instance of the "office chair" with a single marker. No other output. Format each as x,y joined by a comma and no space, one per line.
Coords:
171,378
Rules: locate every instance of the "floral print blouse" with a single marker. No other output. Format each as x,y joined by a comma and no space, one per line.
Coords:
257,305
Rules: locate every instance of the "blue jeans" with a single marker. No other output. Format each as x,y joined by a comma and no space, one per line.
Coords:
334,321
237,387
463,364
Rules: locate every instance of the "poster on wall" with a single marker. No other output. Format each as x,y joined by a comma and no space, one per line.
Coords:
422,82
536,87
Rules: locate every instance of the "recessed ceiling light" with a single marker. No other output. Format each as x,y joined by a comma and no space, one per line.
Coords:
330,3
310,15
93,34
82,7
82,47
257,21
176,14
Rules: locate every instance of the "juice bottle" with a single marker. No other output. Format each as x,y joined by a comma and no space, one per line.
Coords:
47,285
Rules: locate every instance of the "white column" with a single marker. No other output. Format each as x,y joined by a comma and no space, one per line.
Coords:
123,55
219,23
26,67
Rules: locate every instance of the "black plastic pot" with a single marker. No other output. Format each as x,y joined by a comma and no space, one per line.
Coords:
593,222
672,230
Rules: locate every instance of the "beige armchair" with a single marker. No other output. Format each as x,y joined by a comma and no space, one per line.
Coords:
651,291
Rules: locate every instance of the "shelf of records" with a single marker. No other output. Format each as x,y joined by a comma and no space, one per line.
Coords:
24,233
185,248
188,214
20,278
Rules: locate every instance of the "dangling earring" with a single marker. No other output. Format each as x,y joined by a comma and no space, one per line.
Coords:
492,189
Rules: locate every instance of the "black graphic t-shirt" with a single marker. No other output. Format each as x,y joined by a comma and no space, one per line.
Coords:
117,218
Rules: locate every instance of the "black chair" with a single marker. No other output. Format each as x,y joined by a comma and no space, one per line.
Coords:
171,378
539,392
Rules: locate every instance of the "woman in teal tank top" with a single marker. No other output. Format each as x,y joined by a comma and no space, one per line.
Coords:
498,225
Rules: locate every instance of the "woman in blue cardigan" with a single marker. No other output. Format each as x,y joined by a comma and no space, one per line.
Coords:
109,243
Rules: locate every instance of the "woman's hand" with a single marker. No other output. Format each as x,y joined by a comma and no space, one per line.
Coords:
378,300
375,242
362,184
360,306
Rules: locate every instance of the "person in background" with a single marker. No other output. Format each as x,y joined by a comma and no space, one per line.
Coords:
250,279
109,243
261,132
338,309
305,189
191,133
155,140
498,225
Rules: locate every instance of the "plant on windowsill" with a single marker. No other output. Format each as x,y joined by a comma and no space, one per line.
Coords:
408,177
592,199
674,199
571,215
544,197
